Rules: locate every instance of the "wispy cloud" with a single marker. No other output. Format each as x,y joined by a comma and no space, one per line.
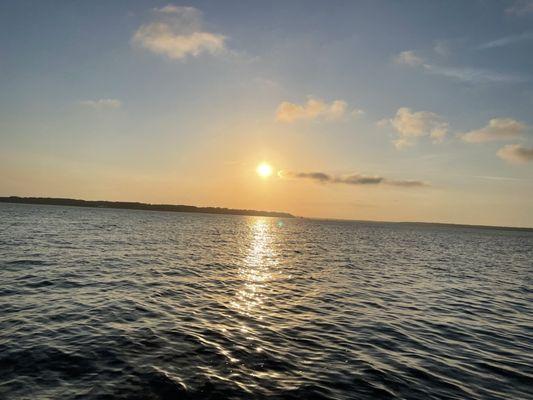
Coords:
442,48
314,109
520,8
499,178
100,104
496,129
176,32
462,74
516,154
507,40
408,57
472,75
411,125
351,179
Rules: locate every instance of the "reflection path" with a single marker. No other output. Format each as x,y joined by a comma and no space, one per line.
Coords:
257,269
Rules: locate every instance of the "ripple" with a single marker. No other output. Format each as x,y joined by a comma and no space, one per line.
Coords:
117,304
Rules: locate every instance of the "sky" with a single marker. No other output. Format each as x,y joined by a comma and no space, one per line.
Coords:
373,110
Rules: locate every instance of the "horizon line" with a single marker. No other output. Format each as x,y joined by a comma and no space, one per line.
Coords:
37,200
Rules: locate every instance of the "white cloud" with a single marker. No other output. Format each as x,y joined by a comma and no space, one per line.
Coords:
177,33
408,57
497,129
170,9
520,7
102,103
314,109
411,125
516,153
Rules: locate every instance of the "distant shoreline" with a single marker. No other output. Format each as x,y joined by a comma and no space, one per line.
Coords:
438,224
124,205
140,206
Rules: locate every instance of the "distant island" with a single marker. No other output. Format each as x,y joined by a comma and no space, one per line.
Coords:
140,206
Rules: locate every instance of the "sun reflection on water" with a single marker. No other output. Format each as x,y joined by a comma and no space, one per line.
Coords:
256,270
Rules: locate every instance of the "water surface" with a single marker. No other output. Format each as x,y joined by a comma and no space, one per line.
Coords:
103,304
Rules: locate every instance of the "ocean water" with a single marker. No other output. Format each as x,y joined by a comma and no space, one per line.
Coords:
119,304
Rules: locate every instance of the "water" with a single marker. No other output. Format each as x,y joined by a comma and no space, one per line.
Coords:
105,304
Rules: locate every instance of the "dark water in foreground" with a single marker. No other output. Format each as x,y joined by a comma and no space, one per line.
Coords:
103,304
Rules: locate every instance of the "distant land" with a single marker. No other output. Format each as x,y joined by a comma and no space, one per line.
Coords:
128,205
140,206
432,224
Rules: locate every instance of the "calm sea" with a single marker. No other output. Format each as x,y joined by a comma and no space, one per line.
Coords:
105,304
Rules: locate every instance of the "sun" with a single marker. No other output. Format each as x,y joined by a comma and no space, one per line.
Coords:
264,170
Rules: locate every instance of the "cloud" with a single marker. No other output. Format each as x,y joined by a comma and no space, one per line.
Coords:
352,179
407,183
357,112
169,9
507,40
383,123
472,75
520,8
314,109
356,179
102,103
497,129
176,32
411,125
315,176
498,178
516,154
408,57
462,74
442,48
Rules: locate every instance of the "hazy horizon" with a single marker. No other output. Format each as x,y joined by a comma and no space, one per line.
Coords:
255,215
377,111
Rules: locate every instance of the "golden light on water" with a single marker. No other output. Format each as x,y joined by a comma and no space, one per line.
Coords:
264,170
256,271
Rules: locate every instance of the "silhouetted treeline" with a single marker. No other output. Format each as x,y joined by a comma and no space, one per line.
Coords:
140,206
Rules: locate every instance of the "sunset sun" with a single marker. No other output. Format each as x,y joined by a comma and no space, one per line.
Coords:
264,170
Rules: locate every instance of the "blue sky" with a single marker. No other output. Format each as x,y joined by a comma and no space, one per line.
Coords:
178,102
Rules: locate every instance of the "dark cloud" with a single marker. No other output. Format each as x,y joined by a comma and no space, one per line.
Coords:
353,179
357,179
315,176
407,183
